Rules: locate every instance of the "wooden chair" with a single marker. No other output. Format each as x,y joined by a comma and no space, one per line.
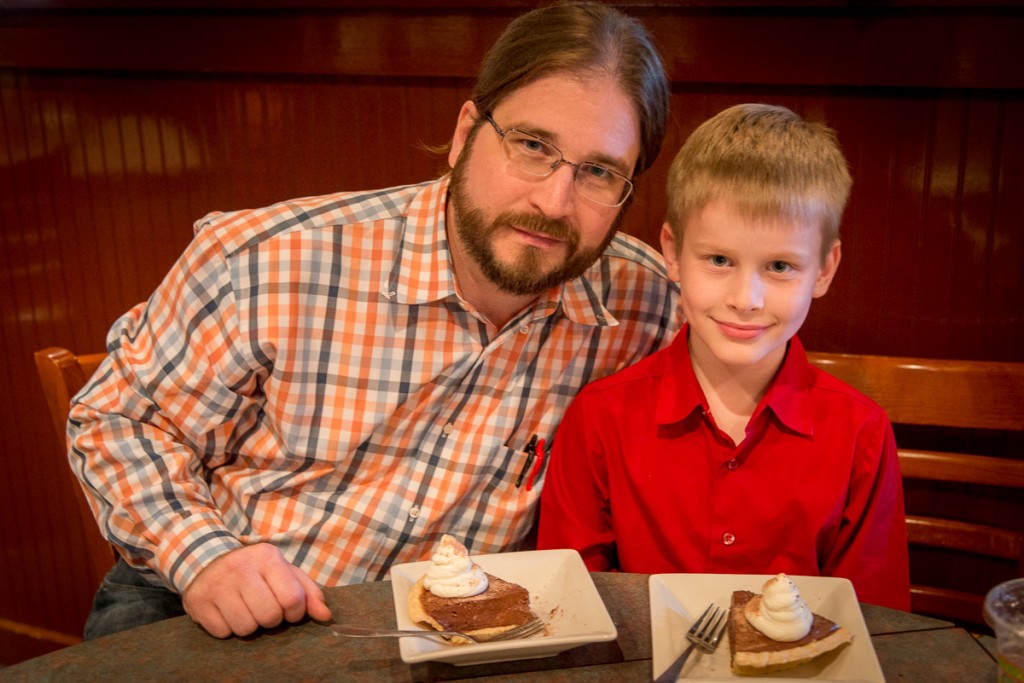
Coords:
62,374
962,398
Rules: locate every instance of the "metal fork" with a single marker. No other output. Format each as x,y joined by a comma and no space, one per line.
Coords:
703,635
522,631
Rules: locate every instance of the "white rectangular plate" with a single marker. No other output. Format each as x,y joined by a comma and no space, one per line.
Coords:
561,593
678,599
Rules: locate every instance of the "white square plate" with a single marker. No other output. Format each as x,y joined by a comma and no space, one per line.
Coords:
678,599
561,593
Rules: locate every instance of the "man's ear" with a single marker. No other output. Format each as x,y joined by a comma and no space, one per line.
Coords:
670,250
828,270
463,125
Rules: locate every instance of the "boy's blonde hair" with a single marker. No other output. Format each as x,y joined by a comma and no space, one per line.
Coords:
767,162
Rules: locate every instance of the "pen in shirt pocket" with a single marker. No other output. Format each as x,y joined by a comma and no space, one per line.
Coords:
531,453
538,466
534,451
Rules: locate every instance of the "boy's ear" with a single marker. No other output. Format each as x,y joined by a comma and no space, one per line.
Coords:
464,124
828,270
670,250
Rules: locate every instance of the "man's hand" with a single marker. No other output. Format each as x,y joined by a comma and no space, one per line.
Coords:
251,587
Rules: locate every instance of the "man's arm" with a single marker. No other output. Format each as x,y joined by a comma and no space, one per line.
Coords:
164,410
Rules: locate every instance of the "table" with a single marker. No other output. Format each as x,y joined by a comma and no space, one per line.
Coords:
910,648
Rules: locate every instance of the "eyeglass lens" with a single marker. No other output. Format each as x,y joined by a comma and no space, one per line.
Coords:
536,157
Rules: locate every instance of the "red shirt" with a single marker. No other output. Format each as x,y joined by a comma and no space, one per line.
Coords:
642,480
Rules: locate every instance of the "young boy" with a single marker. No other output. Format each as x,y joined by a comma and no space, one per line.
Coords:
728,452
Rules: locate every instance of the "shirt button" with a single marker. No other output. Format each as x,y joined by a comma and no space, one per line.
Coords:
447,429
414,513
523,329
732,465
728,539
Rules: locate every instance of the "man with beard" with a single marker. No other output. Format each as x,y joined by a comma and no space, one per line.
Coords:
322,388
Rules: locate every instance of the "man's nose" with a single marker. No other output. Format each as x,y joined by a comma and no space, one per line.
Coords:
555,195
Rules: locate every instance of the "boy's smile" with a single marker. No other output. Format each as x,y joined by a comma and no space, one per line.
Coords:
742,331
747,283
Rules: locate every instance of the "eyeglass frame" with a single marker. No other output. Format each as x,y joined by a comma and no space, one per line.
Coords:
626,190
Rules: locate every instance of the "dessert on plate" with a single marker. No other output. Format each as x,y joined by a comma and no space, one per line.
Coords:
457,595
776,630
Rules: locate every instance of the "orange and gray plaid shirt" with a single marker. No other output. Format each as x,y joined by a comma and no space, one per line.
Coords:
307,376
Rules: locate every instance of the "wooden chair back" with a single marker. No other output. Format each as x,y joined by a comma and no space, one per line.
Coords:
949,395
62,374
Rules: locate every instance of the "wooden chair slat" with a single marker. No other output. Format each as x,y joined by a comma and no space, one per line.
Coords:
981,470
941,393
955,535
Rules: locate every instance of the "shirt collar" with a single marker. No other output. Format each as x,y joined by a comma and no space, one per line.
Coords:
788,397
680,393
423,271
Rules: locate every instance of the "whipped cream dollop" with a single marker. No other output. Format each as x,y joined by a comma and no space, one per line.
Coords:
452,574
779,612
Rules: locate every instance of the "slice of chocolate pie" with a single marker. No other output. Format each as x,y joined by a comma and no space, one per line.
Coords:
457,595
791,640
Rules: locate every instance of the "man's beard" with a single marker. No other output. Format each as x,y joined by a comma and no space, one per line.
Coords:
524,276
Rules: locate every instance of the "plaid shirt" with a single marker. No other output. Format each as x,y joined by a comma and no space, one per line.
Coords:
306,375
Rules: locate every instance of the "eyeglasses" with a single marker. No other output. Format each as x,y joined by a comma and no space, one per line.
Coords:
532,155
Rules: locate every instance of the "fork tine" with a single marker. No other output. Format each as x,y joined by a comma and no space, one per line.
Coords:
700,620
712,623
522,631
713,643
711,632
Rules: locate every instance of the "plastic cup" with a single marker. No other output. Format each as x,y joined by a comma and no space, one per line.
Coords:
1004,612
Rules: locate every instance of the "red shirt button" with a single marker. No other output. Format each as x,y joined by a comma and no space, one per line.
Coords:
728,538
732,464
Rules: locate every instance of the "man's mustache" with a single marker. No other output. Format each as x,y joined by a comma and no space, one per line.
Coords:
553,228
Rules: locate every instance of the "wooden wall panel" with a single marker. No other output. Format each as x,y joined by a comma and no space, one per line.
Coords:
109,154
934,233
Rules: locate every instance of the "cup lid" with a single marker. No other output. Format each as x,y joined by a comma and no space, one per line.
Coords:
1004,606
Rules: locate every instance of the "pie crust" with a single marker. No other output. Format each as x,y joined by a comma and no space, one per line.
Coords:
753,653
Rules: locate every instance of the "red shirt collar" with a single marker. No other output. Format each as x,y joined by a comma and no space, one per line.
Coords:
787,397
